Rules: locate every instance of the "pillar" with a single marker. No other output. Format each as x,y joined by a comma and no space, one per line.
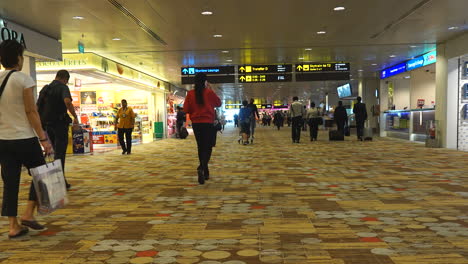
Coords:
441,93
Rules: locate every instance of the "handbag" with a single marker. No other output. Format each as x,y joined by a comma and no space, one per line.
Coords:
50,187
4,83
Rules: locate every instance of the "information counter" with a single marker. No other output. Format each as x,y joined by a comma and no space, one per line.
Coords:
407,124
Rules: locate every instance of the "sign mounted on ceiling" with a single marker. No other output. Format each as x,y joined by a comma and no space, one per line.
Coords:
207,70
244,69
322,67
9,34
259,78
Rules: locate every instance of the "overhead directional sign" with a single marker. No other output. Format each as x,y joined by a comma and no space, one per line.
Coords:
259,78
208,70
323,76
211,79
245,69
322,67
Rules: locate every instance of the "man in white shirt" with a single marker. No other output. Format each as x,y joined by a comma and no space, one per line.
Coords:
297,112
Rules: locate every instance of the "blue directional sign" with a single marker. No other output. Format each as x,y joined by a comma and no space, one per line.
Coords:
207,70
392,71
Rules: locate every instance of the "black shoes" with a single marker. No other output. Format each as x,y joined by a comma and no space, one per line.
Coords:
67,185
206,173
32,224
124,152
21,233
201,177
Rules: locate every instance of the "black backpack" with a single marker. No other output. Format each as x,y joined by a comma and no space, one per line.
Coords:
48,106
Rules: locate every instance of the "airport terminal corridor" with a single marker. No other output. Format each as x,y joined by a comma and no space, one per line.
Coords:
380,202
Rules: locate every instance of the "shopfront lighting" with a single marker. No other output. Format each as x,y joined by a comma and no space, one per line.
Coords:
207,13
78,17
339,8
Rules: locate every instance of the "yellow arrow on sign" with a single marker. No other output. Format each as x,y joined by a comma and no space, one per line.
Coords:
299,68
242,78
242,69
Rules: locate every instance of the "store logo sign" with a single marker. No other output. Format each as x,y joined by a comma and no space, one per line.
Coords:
422,61
392,71
8,34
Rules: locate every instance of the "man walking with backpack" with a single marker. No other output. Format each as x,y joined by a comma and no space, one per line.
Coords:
54,101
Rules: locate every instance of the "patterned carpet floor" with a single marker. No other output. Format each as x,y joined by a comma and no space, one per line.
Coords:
380,202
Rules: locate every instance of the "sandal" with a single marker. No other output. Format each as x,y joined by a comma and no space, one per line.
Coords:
32,224
23,232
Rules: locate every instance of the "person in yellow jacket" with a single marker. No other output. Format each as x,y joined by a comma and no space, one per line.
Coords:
124,122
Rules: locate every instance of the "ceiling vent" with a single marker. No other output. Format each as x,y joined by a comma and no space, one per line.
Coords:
140,23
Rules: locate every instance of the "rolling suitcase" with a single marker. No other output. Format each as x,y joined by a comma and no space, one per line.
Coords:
335,135
367,133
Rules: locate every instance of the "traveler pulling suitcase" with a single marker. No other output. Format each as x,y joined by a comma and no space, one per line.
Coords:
335,135
183,134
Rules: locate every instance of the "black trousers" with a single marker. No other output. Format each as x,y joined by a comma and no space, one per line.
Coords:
205,134
313,128
178,127
58,135
14,154
340,124
360,128
128,137
296,128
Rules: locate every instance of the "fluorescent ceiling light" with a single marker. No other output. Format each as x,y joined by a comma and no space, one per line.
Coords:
225,51
116,39
229,60
360,70
374,64
452,28
207,13
78,17
321,32
301,58
308,49
339,8
217,36
413,46
392,56
407,77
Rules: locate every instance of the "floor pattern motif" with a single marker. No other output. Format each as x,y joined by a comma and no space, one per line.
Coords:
380,202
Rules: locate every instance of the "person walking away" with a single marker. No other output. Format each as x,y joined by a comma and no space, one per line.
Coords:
124,123
21,137
54,101
297,112
360,113
200,104
313,117
255,116
222,120
341,117
180,120
279,120
245,116
236,120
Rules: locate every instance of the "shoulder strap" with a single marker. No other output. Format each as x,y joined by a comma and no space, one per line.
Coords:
5,82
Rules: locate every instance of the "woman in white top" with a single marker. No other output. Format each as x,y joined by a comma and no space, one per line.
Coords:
21,136
314,118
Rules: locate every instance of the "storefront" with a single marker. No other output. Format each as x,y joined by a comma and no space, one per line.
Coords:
407,93
37,46
98,85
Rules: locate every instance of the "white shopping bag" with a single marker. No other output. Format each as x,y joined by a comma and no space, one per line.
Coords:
50,187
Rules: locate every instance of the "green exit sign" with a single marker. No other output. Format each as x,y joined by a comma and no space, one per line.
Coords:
80,47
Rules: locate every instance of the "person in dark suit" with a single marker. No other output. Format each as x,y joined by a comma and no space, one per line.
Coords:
340,116
360,113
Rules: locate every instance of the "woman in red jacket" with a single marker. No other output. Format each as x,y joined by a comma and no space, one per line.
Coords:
200,104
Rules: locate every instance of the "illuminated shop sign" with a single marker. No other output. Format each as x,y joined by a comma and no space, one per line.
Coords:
421,61
265,68
392,71
207,70
8,34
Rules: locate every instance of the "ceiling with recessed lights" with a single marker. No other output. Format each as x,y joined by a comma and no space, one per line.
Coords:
160,36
